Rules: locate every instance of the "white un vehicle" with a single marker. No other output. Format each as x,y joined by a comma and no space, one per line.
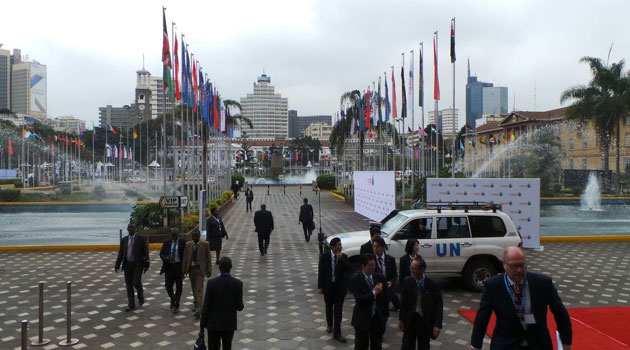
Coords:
456,240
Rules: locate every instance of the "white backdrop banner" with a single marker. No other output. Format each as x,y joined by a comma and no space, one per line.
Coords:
519,198
374,193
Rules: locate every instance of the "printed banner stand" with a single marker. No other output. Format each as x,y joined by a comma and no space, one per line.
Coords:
519,198
374,193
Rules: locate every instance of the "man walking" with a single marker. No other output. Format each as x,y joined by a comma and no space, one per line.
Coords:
134,256
249,197
368,246
332,273
197,265
421,308
263,220
224,297
306,219
370,314
520,300
235,188
215,231
172,255
386,266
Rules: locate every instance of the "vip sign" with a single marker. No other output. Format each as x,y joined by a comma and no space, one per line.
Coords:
519,198
374,193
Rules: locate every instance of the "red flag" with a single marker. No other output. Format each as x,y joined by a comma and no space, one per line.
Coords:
436,80
52,149
296,155
394,109
10,147
214,111
367,114
177,94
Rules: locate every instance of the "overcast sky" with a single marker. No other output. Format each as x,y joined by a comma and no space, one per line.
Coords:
315,50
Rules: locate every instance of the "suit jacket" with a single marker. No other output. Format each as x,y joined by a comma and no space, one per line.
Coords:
140,252
324,273
306,213
405,268
508,332
203,257
390,272
367,247
249,195
432,305
364,299
263,221
224,297
212,228
165,252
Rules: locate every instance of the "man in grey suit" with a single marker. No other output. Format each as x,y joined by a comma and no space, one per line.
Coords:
197,265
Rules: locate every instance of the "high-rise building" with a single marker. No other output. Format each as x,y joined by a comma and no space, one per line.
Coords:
449,121
68,124
483,98
267,110
319,131
5,79
144,107
28,88
118,117
159,101
298,124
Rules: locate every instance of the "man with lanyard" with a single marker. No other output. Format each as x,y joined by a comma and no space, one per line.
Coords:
172,255
421,308
520,300
386,266
134,257
331,282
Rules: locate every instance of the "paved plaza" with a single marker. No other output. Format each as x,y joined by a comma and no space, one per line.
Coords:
282,307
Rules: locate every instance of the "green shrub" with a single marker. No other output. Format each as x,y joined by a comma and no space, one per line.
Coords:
189,222
16,181
229,194
147,216
97,193
219,202
131,193
10,195
326,181
239,178
212,205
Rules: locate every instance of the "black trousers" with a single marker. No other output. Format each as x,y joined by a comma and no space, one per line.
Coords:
173,276
216,339
393,297
248,205
133,279
306,226
370,339
334,307
416,333
263,242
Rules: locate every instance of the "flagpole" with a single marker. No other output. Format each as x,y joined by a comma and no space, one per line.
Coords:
404,144
175,155
421,104
455,120
413,121
438,120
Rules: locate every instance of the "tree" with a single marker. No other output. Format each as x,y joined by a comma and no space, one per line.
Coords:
233,115
605,101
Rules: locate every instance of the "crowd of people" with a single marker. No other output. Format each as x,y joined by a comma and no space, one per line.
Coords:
518,298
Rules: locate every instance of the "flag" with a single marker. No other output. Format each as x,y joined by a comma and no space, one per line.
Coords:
453,40
421,80
411,80
511,137
205,102
222,118
436,79
378,103
403,98
461,146
394,94
184,70
121,153
124,152
189,81
130,154
80,131
492,140
166,60
468,130
135,134
367,113
421,131
177,94
387,109
26,134
195,85
10,147
214,111
111,128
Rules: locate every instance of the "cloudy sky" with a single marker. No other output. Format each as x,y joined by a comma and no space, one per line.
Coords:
315,50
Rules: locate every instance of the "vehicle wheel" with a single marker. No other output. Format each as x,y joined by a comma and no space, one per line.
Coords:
476,273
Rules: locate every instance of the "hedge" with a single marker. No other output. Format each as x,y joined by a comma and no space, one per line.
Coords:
326,181
10,195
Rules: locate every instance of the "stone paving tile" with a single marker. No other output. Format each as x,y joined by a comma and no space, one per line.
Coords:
282,307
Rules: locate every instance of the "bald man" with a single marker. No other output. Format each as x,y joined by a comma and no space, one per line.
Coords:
520,300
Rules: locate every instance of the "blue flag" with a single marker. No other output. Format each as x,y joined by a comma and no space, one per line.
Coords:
184,73
387,108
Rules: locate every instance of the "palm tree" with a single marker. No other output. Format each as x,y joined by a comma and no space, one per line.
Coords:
605,101
233,114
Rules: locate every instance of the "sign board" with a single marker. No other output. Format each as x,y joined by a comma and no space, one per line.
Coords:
183,202
169,202
519,198
374,193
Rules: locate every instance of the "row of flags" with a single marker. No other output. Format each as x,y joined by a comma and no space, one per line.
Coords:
491,140
112,151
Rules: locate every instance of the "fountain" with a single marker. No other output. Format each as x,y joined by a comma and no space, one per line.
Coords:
591,199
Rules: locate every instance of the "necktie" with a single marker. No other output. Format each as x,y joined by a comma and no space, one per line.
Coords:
380,265
130,250
419,298
194,256
334,268
371,284
173,246
518,300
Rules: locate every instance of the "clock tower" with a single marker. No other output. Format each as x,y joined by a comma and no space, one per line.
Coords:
143,95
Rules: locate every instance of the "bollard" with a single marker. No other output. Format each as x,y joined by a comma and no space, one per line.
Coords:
69,340
24,334
267,189
120,234
300,190
41,341
284,189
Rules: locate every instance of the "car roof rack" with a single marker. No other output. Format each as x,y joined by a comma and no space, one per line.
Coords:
458,206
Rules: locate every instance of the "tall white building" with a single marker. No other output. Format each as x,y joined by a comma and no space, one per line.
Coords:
159,101
29,89
268,111
449,121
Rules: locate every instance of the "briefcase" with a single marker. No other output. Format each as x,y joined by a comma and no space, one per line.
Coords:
312,226
200,344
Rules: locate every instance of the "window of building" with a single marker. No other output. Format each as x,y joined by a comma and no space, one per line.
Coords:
583,163
603,164
584,143
571,145
626,164
626,139
627,120
570,163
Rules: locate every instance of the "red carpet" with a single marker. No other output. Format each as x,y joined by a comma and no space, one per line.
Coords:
594,328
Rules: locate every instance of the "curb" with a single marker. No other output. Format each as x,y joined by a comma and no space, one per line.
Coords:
338,196
603,238
74,248
76,203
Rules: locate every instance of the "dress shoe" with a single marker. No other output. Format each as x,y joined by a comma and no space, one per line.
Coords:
130,308
140,301
172,305
176,309
340,338
196,316
394,309
329,329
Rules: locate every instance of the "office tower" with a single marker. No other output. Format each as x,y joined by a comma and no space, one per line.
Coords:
267,110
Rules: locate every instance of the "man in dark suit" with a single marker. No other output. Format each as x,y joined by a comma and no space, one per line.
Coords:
520,300
306,219
367,247
172,255
421,308
224,297
235,188
215,232
249,197
263,220
370,314
332,275
386,266
134,256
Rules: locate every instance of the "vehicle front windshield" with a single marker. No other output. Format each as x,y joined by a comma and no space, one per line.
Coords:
393,224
